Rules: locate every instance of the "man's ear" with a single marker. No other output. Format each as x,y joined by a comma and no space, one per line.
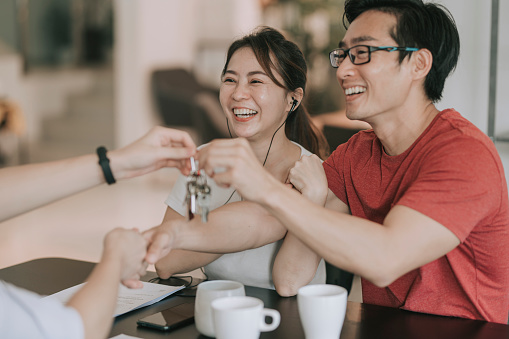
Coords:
422,62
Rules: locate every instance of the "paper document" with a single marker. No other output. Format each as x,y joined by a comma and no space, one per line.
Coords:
128,299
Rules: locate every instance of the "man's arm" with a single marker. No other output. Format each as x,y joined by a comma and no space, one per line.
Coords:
380,253
30,186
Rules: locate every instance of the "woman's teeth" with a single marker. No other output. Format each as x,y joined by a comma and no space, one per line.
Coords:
355,90
244,112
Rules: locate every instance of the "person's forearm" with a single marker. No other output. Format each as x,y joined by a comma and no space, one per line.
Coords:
97,300
295,266
232,228
181,261
380,253
30,186
351,243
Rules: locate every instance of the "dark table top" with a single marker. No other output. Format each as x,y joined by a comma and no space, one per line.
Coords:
363,321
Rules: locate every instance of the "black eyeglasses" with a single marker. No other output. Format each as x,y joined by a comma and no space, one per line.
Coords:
361,54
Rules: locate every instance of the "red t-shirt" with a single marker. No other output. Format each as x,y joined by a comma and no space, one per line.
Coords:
452,174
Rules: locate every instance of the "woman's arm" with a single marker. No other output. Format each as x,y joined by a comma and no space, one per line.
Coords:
30,186
181,261
296,264
234,227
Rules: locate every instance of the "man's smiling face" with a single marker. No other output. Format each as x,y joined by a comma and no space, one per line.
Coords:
381,85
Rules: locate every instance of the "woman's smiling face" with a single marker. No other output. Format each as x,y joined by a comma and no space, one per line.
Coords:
254,105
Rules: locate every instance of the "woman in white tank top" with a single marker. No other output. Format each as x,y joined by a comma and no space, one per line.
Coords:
263,84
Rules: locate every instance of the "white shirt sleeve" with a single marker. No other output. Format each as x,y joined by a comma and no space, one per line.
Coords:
177,197
24,314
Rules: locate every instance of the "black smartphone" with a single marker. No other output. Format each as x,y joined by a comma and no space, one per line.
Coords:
171,318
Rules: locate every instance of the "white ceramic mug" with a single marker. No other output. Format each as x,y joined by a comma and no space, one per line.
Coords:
322,310
242,318
207,292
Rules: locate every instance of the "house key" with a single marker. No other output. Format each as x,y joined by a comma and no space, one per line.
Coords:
198,193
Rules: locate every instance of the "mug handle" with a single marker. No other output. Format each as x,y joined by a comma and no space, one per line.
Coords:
276,319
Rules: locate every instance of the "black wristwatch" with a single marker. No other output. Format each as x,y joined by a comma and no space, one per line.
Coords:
104,162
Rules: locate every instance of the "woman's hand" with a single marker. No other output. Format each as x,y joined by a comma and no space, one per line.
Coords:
160,240
308,177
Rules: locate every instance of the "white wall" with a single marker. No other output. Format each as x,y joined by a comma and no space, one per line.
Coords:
467,89
166,33
502,118
148,34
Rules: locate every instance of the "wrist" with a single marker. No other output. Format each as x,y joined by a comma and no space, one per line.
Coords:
318,196
115,164
111,262
176,232
104,163
272,190
272,195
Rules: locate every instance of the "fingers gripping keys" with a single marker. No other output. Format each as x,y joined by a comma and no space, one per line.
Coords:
198,193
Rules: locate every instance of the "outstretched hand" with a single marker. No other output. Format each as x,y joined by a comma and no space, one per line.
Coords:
160,147
128,248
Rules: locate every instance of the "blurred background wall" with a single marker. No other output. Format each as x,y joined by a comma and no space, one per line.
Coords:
82,71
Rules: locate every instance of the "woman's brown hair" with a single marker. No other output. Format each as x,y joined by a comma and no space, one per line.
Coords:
288,61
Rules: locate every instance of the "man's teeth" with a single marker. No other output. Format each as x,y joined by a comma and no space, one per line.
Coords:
244,112
355,90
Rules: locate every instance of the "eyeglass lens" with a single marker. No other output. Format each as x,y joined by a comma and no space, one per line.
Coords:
358,55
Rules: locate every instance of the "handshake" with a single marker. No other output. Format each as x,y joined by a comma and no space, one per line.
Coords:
134,251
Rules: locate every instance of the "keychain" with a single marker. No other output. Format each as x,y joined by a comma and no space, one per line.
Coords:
198,193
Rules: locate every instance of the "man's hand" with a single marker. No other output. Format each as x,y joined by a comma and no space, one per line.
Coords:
232,162
160,147
308,177
128,248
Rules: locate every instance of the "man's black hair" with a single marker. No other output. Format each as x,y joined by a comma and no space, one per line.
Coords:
421,25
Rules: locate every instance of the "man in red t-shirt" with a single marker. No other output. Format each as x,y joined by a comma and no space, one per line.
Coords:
453,175
417,206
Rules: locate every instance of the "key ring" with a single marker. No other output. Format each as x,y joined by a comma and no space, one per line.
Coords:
198,193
